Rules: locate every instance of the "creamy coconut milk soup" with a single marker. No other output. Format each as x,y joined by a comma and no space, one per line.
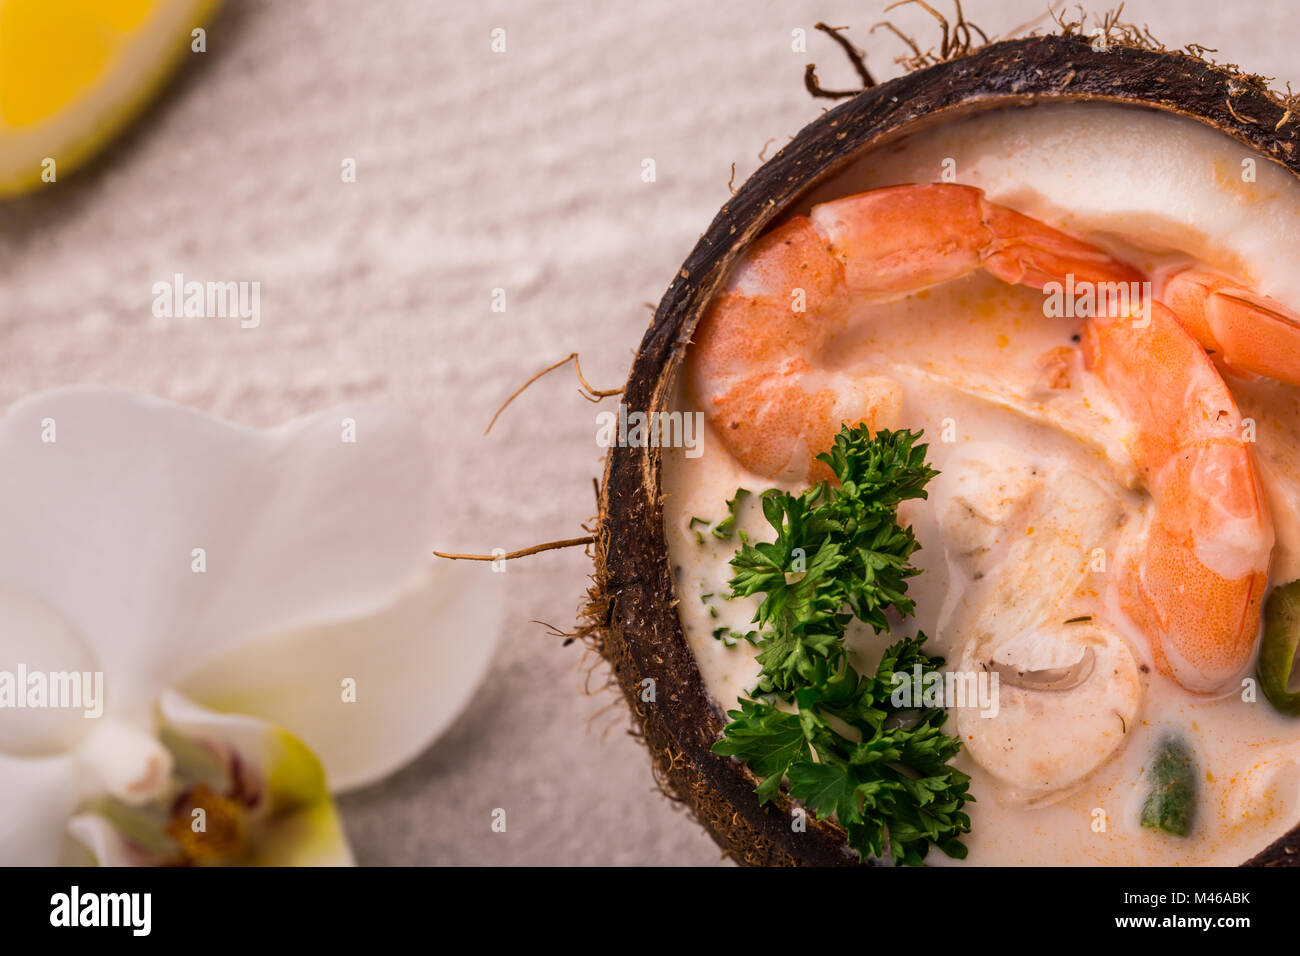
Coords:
1061,459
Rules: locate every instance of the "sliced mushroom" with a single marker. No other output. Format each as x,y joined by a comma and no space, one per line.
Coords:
1030,677
979,495
1074,700
1068,689
1047,558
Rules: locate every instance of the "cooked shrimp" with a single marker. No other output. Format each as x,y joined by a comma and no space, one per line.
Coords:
756,367
1195,586
1247,332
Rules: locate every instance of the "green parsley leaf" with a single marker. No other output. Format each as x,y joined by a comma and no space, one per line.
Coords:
727,526
839,553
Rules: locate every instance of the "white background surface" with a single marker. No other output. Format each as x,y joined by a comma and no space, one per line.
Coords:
475,171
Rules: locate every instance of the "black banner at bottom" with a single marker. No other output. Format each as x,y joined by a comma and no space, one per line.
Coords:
331,906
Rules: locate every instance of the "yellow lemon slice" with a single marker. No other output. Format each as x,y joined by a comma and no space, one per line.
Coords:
74,72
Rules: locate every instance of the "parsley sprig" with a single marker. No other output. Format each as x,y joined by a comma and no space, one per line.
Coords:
836,548
840,553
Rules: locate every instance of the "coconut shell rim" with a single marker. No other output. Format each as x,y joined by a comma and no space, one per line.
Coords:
631,614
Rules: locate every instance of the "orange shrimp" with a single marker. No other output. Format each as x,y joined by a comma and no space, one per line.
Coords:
1195,585
755,365
1248,333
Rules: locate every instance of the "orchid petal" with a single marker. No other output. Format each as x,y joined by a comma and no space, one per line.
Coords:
37,795
369,693
296,524
35,641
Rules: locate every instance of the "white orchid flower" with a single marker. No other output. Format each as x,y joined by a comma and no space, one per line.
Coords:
263,611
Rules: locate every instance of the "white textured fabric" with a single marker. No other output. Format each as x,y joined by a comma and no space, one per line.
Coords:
475,171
